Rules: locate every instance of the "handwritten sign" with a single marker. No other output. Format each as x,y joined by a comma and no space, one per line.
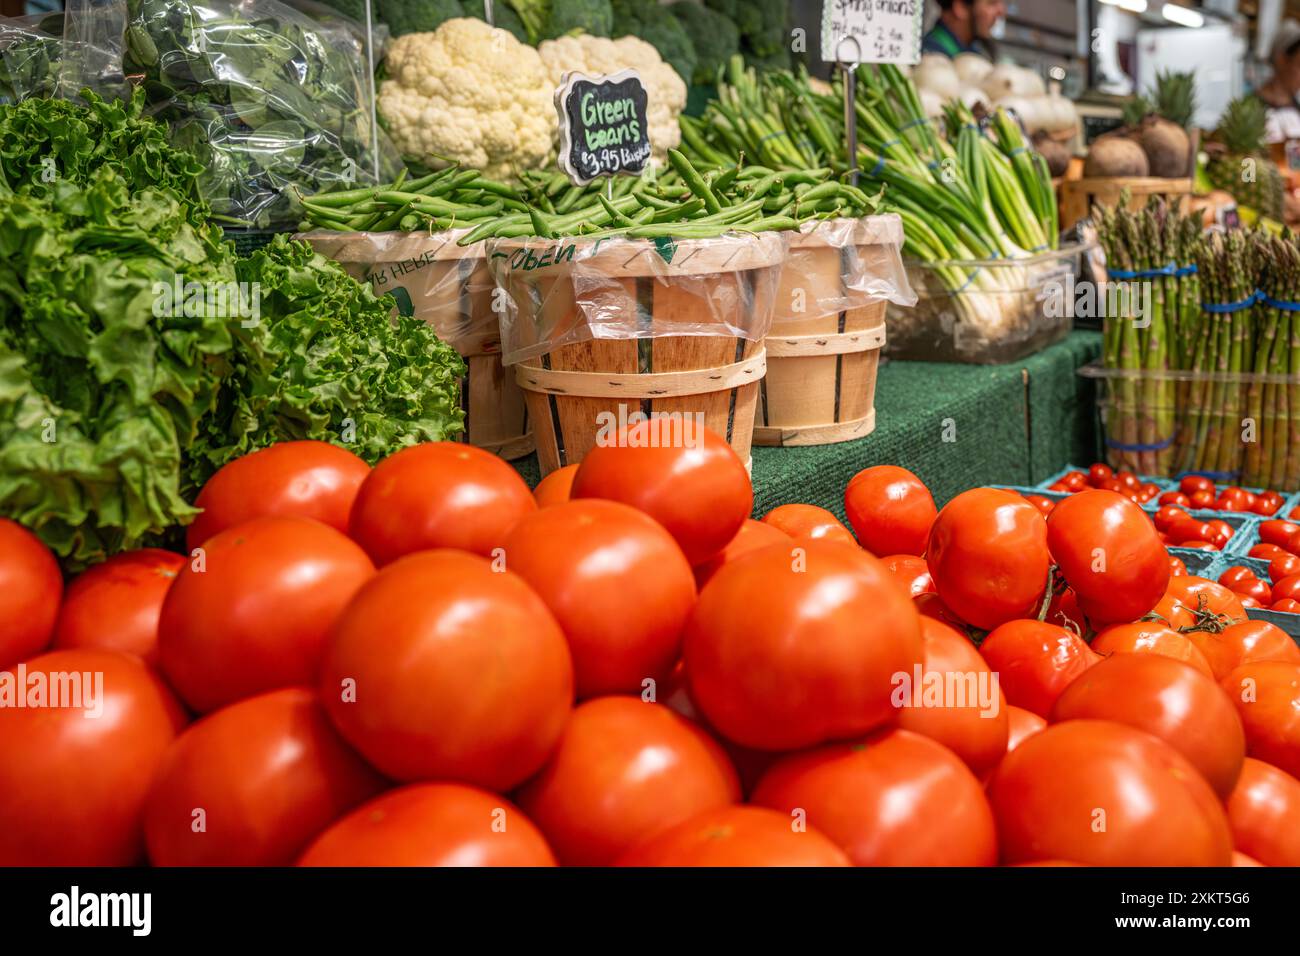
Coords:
603,127
872,31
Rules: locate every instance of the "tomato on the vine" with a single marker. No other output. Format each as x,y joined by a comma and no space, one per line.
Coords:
910,571
1267,697
1263,810
1036,661
891,510
1151,637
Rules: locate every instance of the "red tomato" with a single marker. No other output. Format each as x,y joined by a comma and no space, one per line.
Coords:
432,824
1168,699
1237,575
1243,643
624,769
1172,611
1099,472
252,612
1265,552
1149,491
1198,594
467,680
1264,812
303,479
1261,592
808,521
1021,724
1151,637
442,494
1267,503
1267,696
269,773
115,606
1174,498
1104,794
30,588
1036,661
1277,532
1286,605
1186,528
1128,481
1200,546
1294,514
1202,499
930,604
1194,483
895,799
751,536
1248,602
988,556
1222,529
891,510
910,571
1061,487
618,585
954,698
1176,567
1075,480
736,836
1292,544
1283,566
786,651
1240,859
685,477
1166,515
1107,549
73,785
1064,611
556,487
1042,503
1232,499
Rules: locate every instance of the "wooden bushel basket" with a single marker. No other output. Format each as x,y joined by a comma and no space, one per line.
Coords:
821,370
449,287
589,385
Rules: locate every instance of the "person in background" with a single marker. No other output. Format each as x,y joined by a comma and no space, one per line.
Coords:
966,26
1279,93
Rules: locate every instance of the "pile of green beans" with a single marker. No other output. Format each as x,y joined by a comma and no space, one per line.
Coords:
451,198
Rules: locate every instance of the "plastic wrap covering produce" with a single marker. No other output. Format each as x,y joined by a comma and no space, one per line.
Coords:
31,53
838,265
564,291
274,103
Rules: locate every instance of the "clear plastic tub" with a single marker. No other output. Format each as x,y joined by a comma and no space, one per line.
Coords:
1004,309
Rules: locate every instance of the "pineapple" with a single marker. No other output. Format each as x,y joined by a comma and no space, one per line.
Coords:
1237,161
1175,97
1136,110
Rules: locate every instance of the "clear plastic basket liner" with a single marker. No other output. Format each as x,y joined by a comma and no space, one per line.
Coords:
558,292
838,265
31,56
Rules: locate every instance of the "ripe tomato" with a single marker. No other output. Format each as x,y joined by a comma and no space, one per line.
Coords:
1248,602
1237,575
1171,610
894,799
1286,589
1075,480
1232,499
1202,499
736,836
1222,530
1174,498
1264,812
1128,480
1261,592
891,510
1267,503
1061,487
1240,859
1167,515
1286,606
1107,549
624,769
1176,567
910,571
1021,724
441,494
556,487
1199,594
1100,793
115,606
1151,637
1200,545
1099,472
30,588
467,680
988,556
1277,532
303,479
1064,611
1283,566
618,585
808,521
1265,552
684,476
930,604
269,773
1194,483
1168,699
1150,490
1035,661
1042,503
954,699
786,651
254,614
432,824
1267,696
73,785
751,536
1185,528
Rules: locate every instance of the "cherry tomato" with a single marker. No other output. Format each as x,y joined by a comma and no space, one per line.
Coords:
268,772
1294,514
1021,724
1151,637
1042,503
1099,472
622,770
1167,515
31,586
556,487
1222,529
787,651
1265,552
684,476
1236,575
1191,484
304,479
1232,499
808,521
736,836
1158,810
1200,546
1075,480
891,510
1250,499
1283,566
1261,592
73,779
115,606
1168,699
1263,811
1176,567
1267,503
1267,697
1202,499
471,680
1035,661
1061,487
1292,544
432,824
1128,481
252,612
1287,606
1248,602
1277,532
895,799
988,555
910,571
1174,498
1149,491
1187,528
1107,549
751,536
438,495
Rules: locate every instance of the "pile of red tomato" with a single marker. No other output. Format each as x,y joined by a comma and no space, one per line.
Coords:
424,663
1194,491
1278,545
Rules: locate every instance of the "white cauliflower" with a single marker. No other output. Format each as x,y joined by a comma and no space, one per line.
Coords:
470,93
666,92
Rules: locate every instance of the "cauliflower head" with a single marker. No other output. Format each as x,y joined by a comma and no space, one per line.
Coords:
470,93
665,89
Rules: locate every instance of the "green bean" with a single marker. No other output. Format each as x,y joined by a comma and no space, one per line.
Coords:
678,213
542,227
614,214
644,215
342,197
570,199
693,180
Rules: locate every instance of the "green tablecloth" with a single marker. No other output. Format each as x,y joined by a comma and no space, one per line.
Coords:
956,426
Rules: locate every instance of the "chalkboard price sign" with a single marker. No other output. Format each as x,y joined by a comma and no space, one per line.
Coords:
603,128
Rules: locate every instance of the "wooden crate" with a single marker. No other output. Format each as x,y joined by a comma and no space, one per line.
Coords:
1078,196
